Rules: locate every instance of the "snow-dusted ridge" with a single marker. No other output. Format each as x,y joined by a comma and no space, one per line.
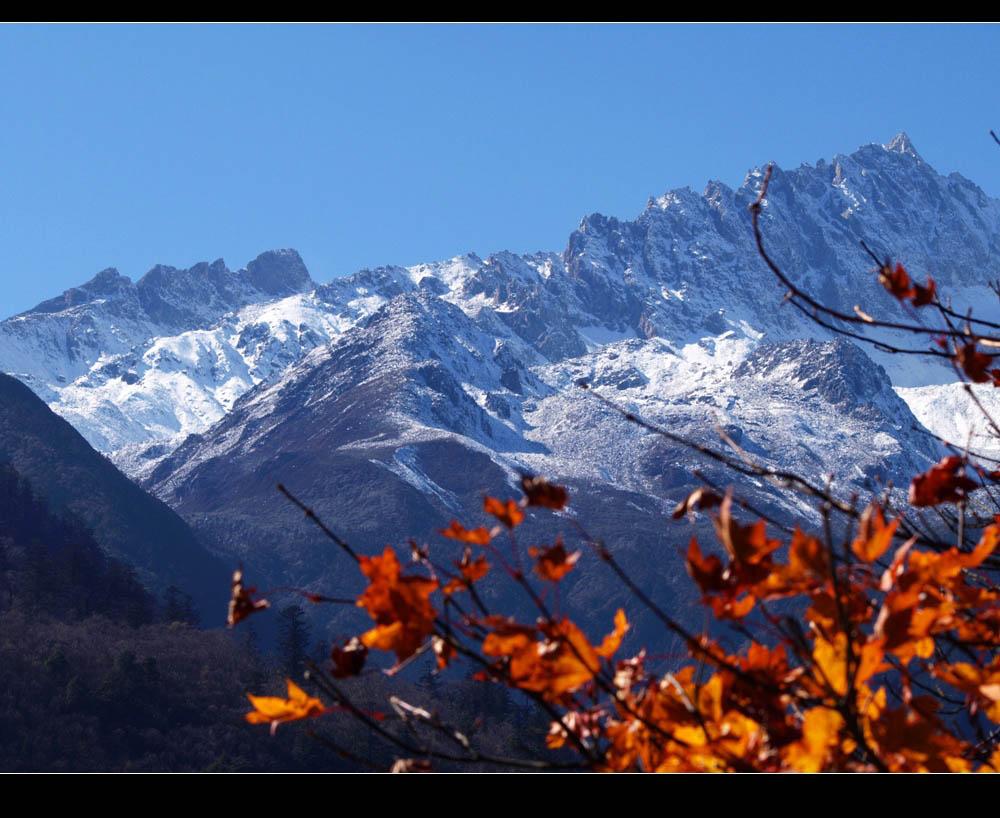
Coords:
662,312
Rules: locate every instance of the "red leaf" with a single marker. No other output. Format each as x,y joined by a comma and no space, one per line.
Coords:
974,364
897,282
348,660
924,295
943,483
540,492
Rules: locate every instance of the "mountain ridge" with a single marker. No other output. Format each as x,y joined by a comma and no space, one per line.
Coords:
376,396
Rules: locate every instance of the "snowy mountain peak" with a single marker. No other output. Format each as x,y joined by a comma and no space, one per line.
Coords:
143,365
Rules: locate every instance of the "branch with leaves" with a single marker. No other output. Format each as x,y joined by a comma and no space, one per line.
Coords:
871,644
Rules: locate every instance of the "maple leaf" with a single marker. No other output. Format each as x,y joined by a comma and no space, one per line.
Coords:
508,513
476,536
553,658
614,639
540,492
896,281
471,570
974,364
553,563
944,482
706,572
744,544
274,710
923,295
807,557
241,603
873,536
399,605
831,662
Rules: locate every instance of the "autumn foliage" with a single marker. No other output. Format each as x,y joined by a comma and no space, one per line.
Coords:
869,644
867,640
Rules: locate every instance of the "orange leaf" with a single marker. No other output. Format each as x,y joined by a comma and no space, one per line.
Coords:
924,295
897,282
820,733
870,661
553,563
477,536
831,662
400,605
807,556
472,570
552,659
874,536
706,572
745,544
986,545
974,364
614,639
277,711
508,513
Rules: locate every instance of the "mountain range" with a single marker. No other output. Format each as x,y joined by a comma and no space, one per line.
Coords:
390,400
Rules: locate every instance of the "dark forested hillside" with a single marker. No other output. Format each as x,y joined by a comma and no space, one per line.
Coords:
127,523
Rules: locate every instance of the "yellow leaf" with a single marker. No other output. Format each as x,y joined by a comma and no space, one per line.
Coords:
832,661
276,710
820,731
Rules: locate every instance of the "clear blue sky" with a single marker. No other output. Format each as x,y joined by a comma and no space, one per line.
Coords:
127,146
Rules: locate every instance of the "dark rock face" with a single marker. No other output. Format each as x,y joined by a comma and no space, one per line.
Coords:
279,273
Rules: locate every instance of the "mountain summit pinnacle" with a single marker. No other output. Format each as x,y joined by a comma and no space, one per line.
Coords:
901,144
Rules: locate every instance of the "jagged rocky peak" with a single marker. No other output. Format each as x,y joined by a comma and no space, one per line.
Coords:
179,297
901,143
279,273
108,283
204,291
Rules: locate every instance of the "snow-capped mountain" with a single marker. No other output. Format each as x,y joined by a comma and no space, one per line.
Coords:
137,362
138,367
390,398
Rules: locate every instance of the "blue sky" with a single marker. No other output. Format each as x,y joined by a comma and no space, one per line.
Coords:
127,146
